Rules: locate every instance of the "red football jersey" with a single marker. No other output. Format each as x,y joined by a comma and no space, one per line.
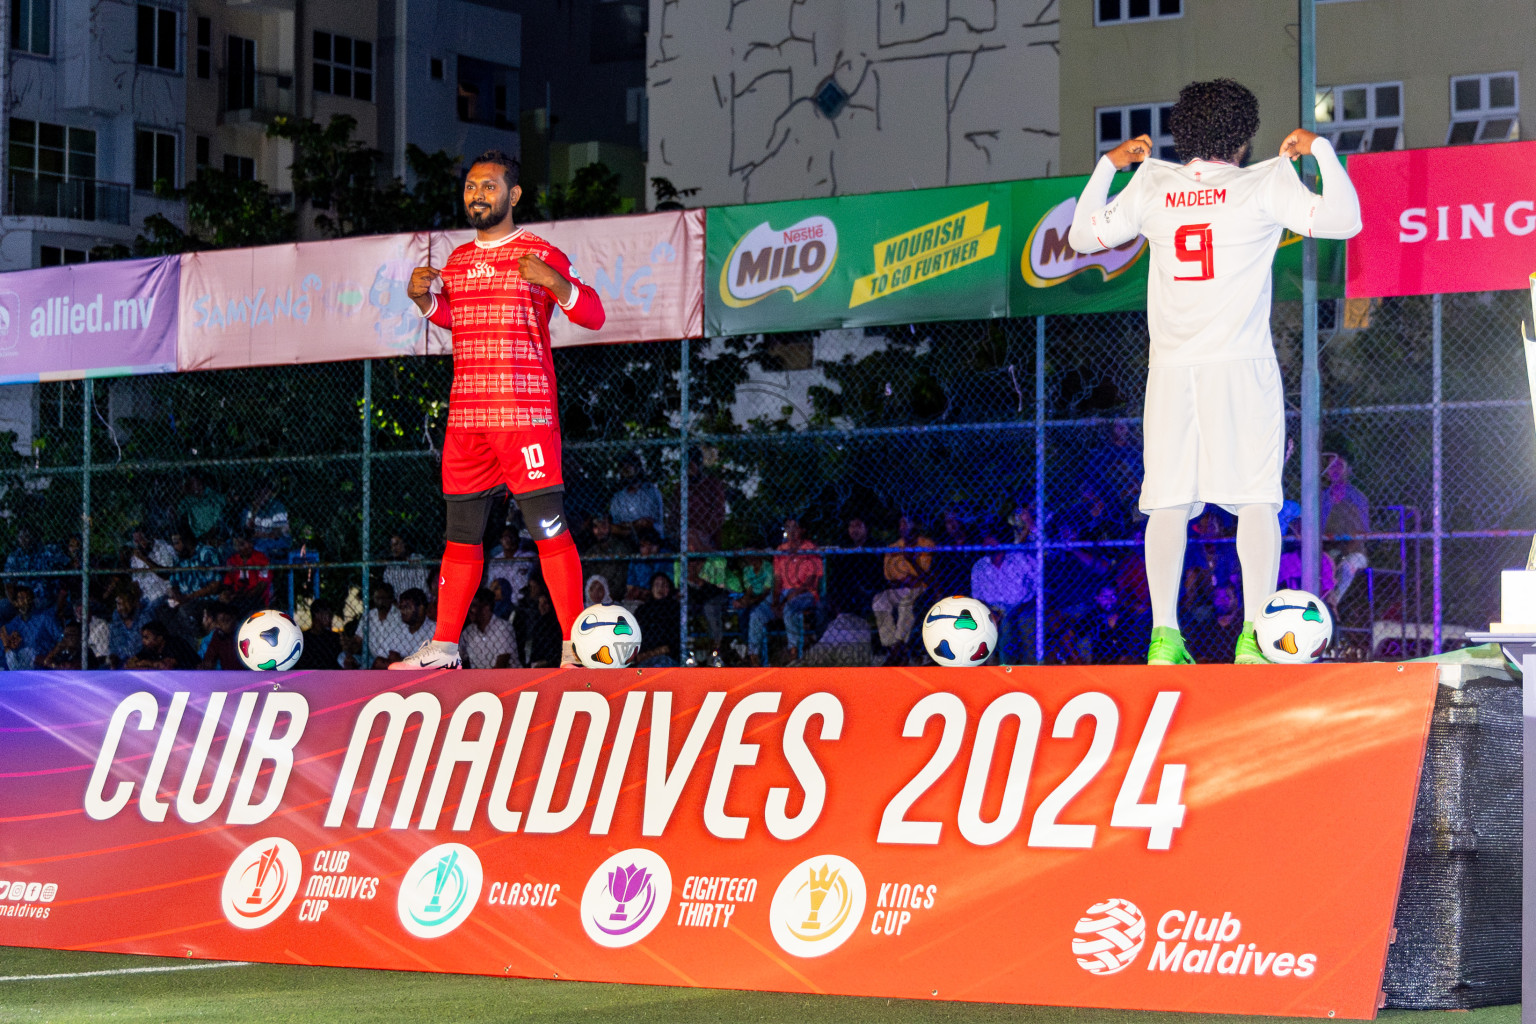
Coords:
503,375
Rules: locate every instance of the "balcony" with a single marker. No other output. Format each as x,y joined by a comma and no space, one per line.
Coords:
41,195
255,97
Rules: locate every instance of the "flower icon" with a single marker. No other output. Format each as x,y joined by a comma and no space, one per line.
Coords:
624,884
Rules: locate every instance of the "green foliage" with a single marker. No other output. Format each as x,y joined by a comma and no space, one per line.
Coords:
223,212
593,192
669,196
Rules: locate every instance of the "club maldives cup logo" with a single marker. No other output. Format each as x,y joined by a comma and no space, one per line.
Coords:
817,906
626,898
439,891
796,259
261,882
1109,936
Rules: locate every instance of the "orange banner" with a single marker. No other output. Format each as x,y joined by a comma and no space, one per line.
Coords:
1212,838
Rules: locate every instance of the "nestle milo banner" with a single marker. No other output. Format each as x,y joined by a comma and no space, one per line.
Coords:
935,254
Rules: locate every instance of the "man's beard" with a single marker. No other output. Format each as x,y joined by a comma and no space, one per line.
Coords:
481,217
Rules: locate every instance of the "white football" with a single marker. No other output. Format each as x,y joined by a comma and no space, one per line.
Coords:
606,636
959,632
269,641
1295,627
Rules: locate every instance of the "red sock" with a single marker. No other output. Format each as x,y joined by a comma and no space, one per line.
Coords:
561,566
463,565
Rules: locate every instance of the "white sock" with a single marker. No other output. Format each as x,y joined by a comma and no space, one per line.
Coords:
1167,531
1258,549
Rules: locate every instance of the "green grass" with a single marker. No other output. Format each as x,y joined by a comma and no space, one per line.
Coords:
268,993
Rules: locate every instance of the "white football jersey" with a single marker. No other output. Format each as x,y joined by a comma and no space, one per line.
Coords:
1213,229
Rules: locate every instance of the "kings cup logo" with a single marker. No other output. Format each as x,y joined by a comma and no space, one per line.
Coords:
1109,936
439,891
626,898
817,906
261,882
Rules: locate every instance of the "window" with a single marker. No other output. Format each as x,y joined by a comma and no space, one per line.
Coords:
242,167
52,150
1485,108
239,73
54,256
1361,118
343,66
157,37
154,158
435,66
487,93
200,151
204,47
30,25
1113,12
1116,124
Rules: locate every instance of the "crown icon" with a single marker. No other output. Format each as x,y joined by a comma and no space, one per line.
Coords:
821,884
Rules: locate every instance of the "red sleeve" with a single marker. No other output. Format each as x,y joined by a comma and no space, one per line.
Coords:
587,311
442,312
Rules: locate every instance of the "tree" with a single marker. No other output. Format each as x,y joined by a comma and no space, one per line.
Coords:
669,196
593,192
223,212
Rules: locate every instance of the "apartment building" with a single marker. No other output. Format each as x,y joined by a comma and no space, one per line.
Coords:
1391,74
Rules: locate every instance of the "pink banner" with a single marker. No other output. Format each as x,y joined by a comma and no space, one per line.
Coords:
648,269
1456,219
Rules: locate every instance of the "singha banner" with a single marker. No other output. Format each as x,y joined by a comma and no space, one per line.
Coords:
1221,839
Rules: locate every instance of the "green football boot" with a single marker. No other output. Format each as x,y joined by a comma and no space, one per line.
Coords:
1247,651
1168,648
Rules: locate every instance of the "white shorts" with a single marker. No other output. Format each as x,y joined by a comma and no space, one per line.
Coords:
1213,433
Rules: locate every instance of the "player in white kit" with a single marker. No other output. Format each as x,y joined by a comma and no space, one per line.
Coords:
1214,423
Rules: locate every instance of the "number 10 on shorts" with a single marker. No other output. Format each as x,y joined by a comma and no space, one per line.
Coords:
533,461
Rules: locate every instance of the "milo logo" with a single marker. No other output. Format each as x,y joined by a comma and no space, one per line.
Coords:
796,259
1049,258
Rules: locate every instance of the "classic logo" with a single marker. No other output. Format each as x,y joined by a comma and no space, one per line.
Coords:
796,259
261,882
1049,258
1109,936
626,898
927,251
817,906
439,891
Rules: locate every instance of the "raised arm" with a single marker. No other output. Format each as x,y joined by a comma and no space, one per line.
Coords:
433,305
1335,213
1098,224
580,301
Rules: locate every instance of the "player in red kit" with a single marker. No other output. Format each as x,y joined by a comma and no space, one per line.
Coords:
497,294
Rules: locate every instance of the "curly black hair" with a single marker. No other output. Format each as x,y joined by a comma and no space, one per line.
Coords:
1213,120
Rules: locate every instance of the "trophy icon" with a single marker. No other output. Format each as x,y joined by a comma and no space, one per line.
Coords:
624,884
445,869
263,870
821,885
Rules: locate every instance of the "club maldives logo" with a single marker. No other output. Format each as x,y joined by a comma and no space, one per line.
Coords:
817,906
626,898
261,882
796,259
1049,258
439,891
1108,937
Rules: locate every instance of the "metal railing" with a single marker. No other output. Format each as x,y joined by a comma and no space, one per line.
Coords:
42,195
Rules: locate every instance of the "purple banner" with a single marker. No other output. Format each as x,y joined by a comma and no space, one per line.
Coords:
89,320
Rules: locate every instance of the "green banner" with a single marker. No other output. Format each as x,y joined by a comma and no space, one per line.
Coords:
889,258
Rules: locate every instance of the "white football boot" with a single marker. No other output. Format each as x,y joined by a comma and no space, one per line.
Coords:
432,654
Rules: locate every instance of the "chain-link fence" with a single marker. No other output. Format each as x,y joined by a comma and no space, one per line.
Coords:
1009,442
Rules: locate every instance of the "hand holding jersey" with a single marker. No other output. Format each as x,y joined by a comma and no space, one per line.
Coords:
1214,421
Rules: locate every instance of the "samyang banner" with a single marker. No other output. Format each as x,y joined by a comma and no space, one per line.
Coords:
896,257
1217,838
1453,219
647,268
89,320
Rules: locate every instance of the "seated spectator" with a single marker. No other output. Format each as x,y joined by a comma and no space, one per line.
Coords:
1113,635
706,505
221,651
384,626
906,580
1116,464
1208,563
1006,582
796,592
204,563
66,653
487,642
951,572
249,577
414,629
161,650
545,638
1345,512
149,554
511,560
597,591
412,574
845,642
660,621
636,505
855,578
1094,518
322,644
749,587
506,598
602,551
709,597
126,625
267,519
29,556
351,646
30,634
201,509
1290,555
647,565
1214,637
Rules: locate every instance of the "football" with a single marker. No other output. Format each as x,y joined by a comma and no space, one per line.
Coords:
1295,627
959,632
606,636
269,641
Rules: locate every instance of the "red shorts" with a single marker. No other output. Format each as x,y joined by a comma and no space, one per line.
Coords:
525,462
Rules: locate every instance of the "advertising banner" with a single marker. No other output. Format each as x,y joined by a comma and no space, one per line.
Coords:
1454,219
647,268
309,302
89,320
1217,838
897,257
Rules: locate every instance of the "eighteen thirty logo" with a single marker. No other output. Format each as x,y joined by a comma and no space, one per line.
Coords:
1109,936
626,898
261,882
1049,258
797,259
817,906
439,891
